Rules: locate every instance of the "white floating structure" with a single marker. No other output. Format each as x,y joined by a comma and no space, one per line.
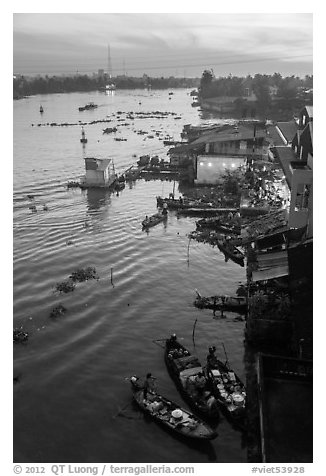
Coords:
99,173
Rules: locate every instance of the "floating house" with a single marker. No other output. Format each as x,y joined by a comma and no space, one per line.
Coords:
99,173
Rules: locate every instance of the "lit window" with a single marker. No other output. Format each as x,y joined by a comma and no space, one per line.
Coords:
209,164
201,163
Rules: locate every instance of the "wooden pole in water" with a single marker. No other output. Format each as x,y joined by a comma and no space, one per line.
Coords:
193,332
112,277
227,360
188,251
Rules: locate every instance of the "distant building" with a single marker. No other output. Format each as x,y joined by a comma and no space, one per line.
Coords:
297,163
99,172
235,141
247,89
100,73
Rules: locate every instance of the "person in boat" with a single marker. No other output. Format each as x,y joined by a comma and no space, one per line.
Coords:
173,338
171,343
171,195
165,208
200,382
212,362
181,200
149,385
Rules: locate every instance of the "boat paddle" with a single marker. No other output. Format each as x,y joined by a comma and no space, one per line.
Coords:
193,332
227,360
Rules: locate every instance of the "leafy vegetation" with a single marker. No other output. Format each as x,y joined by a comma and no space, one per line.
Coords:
81,274
58,311
26,86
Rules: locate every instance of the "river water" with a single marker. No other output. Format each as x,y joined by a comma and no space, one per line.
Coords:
72,371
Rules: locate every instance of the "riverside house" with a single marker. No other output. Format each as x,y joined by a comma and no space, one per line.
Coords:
99,173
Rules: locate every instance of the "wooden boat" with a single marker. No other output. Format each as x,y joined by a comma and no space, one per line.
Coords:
203,210
153,220
88,106
172,203
172,142
222,303
119,185
170,415
231,251
228,390
185,368
108,130
182,203
73,184
215,223
41,109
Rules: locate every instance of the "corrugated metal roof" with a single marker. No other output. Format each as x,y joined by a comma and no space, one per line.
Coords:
310,111
288,129
273,136
102,164
242,133
285,156
270,273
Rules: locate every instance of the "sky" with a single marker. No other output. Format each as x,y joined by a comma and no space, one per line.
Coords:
163,44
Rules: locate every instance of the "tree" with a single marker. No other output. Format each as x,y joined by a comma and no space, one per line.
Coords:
261,90
206,82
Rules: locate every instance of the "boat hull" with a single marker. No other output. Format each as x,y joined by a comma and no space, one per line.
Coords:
160,410
231,252
200,405
222,303
153,220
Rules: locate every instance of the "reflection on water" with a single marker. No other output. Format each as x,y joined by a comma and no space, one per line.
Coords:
97,198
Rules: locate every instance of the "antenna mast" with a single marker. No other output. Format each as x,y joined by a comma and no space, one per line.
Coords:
109,63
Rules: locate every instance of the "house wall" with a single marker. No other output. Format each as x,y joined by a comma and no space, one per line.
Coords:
177,159
236,147
305,144
211,168
300,213
95,177
304,118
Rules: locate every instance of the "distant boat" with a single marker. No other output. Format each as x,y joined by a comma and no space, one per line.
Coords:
41,109
83,139
88,106
110,87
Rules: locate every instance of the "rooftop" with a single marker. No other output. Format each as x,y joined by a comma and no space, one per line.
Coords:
233,134
310,111
102,164
288,130
273,136
285,156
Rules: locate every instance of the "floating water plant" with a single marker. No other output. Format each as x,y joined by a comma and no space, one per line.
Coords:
81,274
65,287
20,336
58,311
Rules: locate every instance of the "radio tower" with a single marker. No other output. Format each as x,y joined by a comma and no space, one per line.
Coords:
109,63
110,86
